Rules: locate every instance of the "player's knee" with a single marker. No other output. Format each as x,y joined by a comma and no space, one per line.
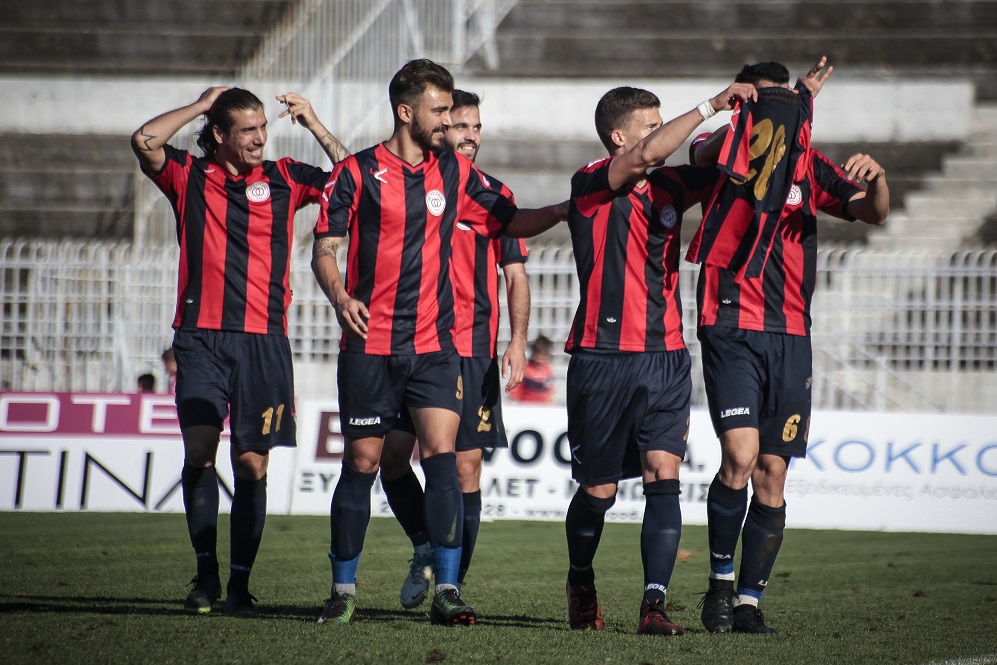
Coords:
251,465
469,471
596,504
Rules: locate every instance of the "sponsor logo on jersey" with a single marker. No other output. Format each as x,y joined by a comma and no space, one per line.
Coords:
436,202
610,319
378,175
464,226
258,192
669,217
795,197
365,422
736,411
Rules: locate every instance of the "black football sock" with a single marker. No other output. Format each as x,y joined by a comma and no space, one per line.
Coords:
350,513
760,542
659,536
199,486
583,525
472,520
406,500
725,509
444,515
249,514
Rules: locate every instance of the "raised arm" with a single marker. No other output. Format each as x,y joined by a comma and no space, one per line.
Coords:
873,205
657,146
352,313
149,140
517,286
301,112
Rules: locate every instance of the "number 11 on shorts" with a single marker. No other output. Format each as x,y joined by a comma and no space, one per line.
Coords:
268,419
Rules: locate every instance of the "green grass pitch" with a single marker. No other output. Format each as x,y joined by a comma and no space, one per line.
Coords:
108,588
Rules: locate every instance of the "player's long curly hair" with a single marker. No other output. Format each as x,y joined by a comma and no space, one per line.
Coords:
221,114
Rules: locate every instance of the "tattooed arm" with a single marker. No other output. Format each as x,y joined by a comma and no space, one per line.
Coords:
301,112
149,139
352,313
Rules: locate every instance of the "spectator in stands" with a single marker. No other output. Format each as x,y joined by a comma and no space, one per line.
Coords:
235,217
756,349
170,365
537,386
146,383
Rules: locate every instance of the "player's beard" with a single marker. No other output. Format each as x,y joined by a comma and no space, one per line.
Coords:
423,136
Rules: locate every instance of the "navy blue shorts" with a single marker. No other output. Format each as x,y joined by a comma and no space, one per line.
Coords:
622,404
760,380
481,423
246,376
374,389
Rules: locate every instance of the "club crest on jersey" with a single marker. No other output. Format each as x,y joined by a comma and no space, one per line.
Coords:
669,217
436,202
258,192
795,197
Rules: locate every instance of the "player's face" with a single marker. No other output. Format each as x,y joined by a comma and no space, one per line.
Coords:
430,119
464,134
242,145
642,123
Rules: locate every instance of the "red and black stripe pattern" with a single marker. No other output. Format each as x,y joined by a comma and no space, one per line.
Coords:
761,159
626,247
779,299
400,220
235,235
474,273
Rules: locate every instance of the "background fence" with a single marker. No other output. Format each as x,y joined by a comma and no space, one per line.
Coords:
899,331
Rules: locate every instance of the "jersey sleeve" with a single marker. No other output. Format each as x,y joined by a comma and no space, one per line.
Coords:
510,250
696,182
340,200
487,205
590,188
832,190
173,177
308,181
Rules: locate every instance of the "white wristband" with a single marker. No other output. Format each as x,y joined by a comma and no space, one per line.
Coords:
706,110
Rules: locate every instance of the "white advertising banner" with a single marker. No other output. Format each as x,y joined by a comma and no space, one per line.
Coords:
106,452
867,471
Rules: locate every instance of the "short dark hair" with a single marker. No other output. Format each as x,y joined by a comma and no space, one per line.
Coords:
412,80
763,71
616,108
221,114
462,98
146,383
541,344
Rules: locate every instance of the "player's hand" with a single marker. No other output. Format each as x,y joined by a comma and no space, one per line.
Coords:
514,364
353,317
208,97
815,78
737,92
299,108
862,168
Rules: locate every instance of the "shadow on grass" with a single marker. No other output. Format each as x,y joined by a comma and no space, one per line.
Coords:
27,604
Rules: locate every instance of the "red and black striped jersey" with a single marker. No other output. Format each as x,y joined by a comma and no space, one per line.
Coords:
779,299
235,235
400,220
475,285
761,157
626,246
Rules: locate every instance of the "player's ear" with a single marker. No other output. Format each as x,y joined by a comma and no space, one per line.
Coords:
405,113
617,138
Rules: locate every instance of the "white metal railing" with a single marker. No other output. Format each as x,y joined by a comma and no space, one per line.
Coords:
907,331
